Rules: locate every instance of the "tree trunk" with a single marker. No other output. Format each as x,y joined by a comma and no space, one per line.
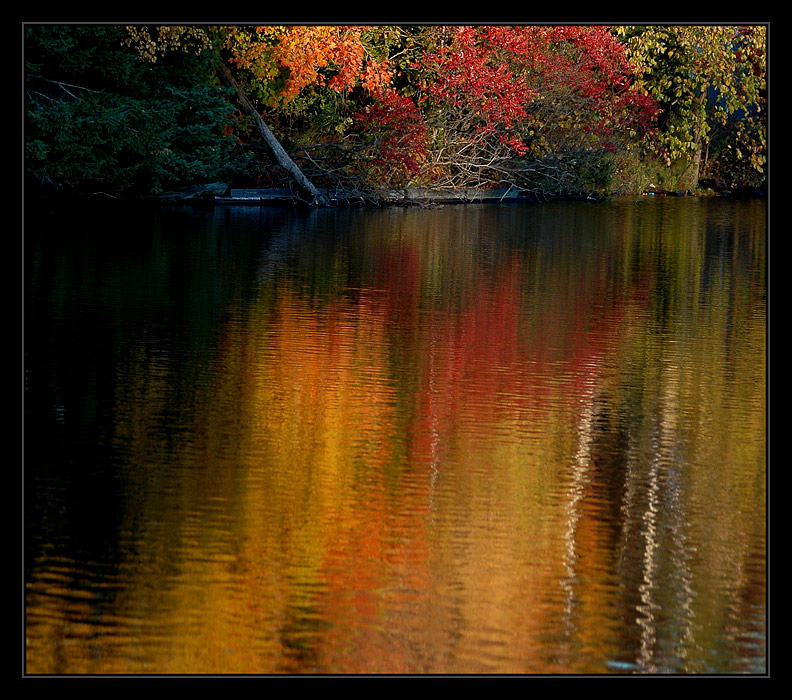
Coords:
698,141
696,171
306,187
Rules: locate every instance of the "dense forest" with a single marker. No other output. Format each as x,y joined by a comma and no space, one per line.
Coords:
549,111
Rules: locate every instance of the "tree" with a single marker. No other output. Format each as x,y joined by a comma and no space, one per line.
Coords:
528,106
152,44
96,118
277,67
353,111
702,77
348,125
304,56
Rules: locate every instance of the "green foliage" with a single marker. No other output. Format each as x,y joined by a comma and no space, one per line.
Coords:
636,172
705,79
99,118
736,152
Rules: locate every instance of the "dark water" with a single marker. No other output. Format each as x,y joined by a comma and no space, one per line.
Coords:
472,439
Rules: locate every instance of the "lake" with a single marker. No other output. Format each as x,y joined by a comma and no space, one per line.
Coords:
471,439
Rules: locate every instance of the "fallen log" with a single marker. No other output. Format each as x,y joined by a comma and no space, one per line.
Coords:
304,185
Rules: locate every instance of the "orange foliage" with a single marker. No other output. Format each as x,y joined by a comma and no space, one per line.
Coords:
333,56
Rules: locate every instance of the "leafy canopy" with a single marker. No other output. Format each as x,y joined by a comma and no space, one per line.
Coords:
96,117
702,77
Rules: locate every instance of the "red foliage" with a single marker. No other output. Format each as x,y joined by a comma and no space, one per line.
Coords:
468,78
395,124
507,88
499,76
598,71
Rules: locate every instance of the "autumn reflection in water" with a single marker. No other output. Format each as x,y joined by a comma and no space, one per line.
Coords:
475,439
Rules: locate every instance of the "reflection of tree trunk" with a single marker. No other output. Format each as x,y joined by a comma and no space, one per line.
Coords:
306,187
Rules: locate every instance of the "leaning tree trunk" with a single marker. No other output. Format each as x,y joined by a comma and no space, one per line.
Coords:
306,187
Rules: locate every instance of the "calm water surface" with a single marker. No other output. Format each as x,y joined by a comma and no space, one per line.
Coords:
470,439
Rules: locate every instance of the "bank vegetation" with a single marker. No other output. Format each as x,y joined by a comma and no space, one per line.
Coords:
356,114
